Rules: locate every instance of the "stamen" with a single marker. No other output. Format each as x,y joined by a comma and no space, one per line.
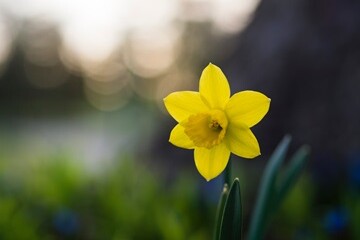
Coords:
214,125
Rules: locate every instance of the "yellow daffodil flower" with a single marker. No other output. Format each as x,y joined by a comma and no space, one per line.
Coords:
215,124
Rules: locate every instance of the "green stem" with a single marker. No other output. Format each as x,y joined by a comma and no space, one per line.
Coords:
228,173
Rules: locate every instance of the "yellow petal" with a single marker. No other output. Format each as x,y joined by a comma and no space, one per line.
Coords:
179,138
247,107
241,141
211,162
181,105
214,87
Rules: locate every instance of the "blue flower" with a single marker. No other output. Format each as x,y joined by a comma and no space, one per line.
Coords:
336,220
66,222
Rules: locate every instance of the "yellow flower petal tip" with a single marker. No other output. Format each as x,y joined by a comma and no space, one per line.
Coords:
215,124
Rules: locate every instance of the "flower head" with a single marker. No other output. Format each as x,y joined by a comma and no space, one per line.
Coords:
215,124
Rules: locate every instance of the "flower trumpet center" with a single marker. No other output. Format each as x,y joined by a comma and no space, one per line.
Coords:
206,129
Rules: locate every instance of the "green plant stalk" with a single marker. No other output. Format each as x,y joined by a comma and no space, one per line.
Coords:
227,175
266,190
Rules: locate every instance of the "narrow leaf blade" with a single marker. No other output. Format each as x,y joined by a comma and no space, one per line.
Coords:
220,211
292,173
231,226
267,186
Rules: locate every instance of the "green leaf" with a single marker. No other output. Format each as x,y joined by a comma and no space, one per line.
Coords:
266,190
220,211
292,173
231,226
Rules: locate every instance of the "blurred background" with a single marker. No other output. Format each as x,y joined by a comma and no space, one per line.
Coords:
84,150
